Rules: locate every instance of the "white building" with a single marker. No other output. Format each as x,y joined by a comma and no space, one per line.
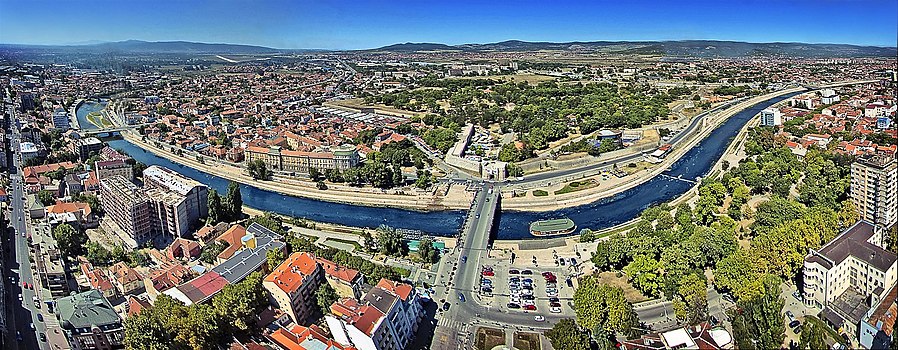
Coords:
828,96
386,318
849,274
874,189
771,117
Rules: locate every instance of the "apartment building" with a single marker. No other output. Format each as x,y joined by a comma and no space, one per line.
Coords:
771,117
297,337
277,159
291,286
171,214
49,263
61,119
87,146
129,207
89,322
848,274
874,189
877,326
386,318
107,168
195,194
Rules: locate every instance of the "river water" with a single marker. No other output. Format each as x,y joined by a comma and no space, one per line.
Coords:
603,213
86,108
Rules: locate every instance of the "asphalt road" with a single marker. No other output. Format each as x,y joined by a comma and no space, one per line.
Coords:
460,273
21,314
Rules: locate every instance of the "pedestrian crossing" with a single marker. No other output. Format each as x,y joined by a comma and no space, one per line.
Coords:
452,324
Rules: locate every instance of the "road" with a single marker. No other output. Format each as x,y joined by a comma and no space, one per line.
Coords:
460,271
593,168
21,314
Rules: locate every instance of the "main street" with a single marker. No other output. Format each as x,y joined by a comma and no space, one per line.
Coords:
22,314
460,271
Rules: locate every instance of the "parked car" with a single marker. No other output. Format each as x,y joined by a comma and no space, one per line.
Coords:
43,337
526,272
513,306
488,273
555,309
40,317
513,272
486,290
547,274
486,281
553,300
530,307
528,297
464,259
573,261
526,292
561,261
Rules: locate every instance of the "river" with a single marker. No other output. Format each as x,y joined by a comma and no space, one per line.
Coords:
600,214
89,106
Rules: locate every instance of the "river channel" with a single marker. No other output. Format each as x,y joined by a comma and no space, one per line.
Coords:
600,214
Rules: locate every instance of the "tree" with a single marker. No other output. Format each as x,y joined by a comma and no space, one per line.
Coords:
46,197
270,221
210,252
234,202
391,242
565,334
315,174
275,257
258,170
91,201
757,322
98,255
643,272
603,306
691,304
325,296
237,304
812,336
612,253
514,170
215,209
69,240
427,252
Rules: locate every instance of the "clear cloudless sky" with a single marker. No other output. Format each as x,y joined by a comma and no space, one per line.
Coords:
358,24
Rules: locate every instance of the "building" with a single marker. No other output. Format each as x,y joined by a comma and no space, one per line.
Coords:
828,96
771,117
386,318
126,279
874,189
276,159
180,201
49,263
130,209
86,147
61,119
298,337
27,100
291,286
701,336
108,168
90,322
848,274
877,326
345,281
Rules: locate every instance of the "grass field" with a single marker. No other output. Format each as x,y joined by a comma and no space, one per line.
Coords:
632,295
98,119
577,186
540,193
358,103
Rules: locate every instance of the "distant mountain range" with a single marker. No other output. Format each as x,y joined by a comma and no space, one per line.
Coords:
683,48
148,47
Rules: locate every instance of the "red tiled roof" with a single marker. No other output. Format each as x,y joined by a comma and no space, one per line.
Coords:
289,275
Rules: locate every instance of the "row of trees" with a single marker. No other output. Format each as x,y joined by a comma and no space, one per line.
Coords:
229,208
602,313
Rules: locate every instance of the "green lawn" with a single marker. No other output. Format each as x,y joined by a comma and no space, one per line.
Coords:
540,193
576,186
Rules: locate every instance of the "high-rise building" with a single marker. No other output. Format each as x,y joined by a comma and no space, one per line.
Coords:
771,117
179,200
60,119
874,189
87,146
107,168
127,206
386,318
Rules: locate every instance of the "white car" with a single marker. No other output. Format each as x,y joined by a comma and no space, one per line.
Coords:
526,292
528,302
555,309
539,318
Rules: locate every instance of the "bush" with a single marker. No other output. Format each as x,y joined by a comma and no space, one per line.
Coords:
540,193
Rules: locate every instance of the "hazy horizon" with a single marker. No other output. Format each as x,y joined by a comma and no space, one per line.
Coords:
371,24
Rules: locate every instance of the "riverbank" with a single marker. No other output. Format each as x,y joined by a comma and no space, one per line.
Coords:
613,185
455,198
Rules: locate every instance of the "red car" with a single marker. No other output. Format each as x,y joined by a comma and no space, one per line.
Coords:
488,273
551,279
530,307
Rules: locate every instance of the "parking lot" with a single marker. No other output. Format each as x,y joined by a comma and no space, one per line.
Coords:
545,291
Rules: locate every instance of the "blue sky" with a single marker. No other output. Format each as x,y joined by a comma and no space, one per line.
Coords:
357,24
